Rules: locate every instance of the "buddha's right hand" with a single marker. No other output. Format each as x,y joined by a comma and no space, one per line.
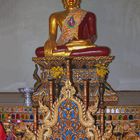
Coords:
49,46
50,43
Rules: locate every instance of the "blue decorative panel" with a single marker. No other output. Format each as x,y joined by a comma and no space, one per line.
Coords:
68,126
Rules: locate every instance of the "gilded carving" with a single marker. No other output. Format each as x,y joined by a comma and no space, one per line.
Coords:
86,120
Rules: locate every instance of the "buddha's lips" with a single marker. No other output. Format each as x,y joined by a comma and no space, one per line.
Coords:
71,0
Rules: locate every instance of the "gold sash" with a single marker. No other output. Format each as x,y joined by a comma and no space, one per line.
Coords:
70,26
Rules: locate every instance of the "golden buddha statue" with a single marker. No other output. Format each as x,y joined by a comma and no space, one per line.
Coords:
78,33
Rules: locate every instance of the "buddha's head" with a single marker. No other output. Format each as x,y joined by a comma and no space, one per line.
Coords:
71,4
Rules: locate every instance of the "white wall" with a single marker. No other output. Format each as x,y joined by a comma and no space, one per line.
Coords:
24,27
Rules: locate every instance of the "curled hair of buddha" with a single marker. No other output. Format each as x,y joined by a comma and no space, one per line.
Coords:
77,3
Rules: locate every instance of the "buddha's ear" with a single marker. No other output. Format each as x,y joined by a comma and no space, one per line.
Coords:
78,3
64,3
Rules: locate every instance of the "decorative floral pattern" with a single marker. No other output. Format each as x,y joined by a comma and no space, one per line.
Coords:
101,70
68,126
70,26
71,22
56,72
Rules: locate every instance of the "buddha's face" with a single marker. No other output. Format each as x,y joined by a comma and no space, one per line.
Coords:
71,3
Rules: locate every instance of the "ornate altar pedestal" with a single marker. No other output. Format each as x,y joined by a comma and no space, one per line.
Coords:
87,75
83,72
72,101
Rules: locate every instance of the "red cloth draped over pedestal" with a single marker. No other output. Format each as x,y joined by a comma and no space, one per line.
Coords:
2,133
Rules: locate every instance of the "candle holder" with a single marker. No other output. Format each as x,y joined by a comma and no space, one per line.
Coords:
27,94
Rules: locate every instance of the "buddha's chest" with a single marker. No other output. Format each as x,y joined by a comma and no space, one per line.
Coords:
61,19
